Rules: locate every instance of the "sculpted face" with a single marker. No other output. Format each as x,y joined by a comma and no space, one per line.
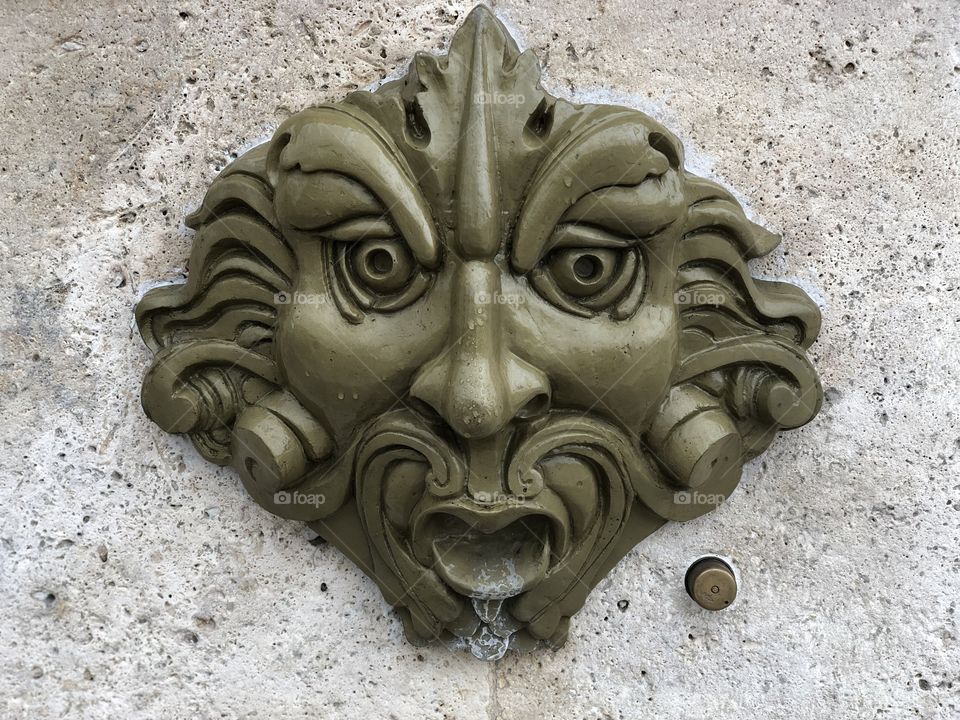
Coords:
481,339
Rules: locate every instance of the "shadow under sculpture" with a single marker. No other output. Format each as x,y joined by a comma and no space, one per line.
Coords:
479,338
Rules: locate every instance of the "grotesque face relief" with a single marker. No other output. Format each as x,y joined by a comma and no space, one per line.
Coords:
482,340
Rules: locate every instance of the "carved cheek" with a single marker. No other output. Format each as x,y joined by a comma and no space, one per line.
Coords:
650,357
348,372
621,369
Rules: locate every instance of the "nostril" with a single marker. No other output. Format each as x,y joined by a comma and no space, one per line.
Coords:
538,405
422,408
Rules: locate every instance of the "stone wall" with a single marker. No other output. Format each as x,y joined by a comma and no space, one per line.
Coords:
138,580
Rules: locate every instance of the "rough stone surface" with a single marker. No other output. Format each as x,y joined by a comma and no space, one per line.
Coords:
138,581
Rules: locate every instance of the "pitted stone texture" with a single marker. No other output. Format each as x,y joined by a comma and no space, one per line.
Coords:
138,581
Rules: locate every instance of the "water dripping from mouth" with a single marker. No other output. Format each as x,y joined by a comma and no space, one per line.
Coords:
487,610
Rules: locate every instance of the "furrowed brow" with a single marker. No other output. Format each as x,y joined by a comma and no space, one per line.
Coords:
348,142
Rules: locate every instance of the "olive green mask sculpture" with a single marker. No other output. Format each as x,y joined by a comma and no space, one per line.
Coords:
479,338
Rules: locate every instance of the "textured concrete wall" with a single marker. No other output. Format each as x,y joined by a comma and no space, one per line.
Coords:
137,580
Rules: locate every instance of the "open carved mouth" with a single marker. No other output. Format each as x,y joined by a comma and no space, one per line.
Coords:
490,561
542,509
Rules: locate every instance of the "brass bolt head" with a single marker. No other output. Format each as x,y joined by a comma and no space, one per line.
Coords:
711,583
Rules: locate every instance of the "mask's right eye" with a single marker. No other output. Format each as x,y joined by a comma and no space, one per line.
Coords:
373,269
381,267
370,262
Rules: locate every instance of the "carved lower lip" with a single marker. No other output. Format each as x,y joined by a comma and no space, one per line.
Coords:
490,563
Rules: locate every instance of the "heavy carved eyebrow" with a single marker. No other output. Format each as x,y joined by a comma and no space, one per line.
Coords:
331,206
368,227
346,141
611,217
572,235
364,228
616,173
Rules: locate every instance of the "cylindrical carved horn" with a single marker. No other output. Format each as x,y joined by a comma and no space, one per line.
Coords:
694,439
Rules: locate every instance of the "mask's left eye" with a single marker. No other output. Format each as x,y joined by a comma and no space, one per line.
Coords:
378,274
588,280
583,273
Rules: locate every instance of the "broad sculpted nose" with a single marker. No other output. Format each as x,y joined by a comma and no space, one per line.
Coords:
476,384
478,396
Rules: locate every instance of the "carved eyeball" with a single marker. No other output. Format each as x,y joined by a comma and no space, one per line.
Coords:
583,273
380,274
383,266
587,280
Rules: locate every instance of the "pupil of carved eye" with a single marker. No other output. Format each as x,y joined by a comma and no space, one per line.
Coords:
382,266
379,262
582,272
587,267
